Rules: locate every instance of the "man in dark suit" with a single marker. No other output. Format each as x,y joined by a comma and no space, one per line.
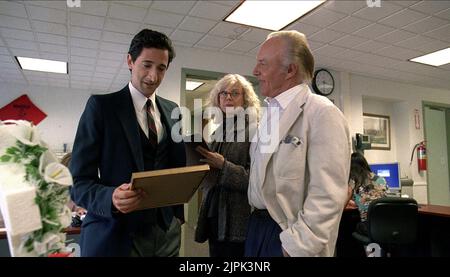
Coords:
118,134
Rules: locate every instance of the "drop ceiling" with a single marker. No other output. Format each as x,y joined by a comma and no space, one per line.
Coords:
94,39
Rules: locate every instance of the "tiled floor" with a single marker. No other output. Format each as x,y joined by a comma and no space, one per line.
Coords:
191,248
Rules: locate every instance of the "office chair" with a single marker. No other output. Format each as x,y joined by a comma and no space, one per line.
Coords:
392,222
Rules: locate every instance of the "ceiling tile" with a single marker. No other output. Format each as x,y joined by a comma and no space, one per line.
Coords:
47,27
7,58
326,36
398,53
85,43
376,60
84,20
161,18
21,44
209,10
117,37
433,45
48,38
15,22
314,44
445,14
395,36
81,72
83,67
377,13
425,25
402,18
214,41
442,33
349,25
349,41
16,34
231,3
53,48
105,69
229,30
345,6
329,50
405,3
255,35
431,7
60,5
54,56
414,41
82,60
181,7
371,46
121,26
83,52
373,31
115,47
13,9
99,8
241,45
197,24
305,28
109,63
124,12
164,30
322,17
24,53
86,33
350,55
46,14
186,36
140,4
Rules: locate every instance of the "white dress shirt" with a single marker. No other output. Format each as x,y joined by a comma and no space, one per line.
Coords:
140,107
281,102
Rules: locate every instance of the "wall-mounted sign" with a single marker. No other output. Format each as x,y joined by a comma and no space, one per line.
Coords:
22,109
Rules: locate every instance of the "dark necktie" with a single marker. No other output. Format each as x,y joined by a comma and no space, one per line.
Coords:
152,133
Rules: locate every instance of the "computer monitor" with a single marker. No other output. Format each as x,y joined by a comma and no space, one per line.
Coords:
390,172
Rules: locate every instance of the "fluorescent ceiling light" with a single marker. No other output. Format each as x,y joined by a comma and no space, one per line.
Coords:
42,65
193,85
436,58
271,15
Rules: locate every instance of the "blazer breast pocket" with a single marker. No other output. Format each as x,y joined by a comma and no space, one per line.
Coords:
290,161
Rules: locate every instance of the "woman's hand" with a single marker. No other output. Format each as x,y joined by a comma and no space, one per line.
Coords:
214,159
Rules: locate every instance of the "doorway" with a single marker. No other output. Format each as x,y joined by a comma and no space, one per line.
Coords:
437,136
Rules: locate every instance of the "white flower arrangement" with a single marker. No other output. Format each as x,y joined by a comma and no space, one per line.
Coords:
34,191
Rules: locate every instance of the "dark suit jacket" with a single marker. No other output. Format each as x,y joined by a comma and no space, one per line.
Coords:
107,150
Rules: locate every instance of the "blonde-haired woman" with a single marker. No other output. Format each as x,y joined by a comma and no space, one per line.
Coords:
224,211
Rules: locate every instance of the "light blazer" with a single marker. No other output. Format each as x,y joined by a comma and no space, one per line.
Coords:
305,186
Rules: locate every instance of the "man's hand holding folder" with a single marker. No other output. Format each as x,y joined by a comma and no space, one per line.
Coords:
126,200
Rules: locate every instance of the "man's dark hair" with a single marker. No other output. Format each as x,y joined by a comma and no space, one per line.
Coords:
150,39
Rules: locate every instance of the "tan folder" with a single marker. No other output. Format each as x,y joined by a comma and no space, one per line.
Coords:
168,187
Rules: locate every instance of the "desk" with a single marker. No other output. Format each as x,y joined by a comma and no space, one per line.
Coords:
68,231
433,233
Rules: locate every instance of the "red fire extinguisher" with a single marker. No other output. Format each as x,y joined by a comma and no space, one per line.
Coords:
421,156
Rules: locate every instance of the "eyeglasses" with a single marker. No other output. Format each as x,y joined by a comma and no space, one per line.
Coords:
233,94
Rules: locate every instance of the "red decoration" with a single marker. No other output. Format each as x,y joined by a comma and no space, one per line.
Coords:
22,108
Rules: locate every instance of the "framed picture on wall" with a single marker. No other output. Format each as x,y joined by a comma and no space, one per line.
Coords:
378,127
